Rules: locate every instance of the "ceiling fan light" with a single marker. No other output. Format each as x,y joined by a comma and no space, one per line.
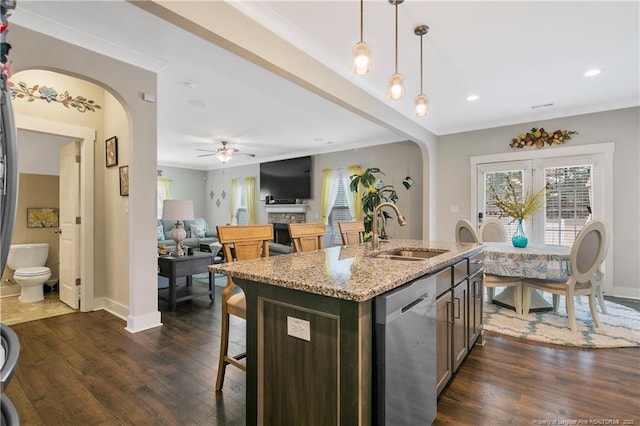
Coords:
361,58
396,86
223,157
421,105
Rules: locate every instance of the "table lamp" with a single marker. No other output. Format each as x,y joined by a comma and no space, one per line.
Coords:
178,210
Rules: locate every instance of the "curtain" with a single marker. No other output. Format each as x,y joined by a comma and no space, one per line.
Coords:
164,193
354,199
249,191
235,198
330,179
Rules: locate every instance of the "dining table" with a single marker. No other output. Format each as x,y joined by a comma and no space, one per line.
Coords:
540,261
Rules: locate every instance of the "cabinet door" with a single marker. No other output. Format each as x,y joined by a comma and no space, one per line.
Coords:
475,307
444,329
460,325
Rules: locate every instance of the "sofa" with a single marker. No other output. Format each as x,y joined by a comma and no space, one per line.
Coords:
198,232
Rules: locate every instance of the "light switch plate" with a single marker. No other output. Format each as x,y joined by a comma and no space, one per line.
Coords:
299,328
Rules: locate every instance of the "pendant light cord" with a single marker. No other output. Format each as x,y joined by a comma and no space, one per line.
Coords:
361,20
396,5
421,37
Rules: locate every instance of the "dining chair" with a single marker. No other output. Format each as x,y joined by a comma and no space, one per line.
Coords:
587,254
306,236
352,233
492,230
248,242
465,232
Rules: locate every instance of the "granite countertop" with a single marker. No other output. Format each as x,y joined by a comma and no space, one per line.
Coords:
347,272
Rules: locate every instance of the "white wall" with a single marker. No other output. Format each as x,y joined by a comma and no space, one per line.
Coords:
39,153
126,83
621,127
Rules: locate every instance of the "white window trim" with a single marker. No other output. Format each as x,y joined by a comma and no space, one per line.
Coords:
604,152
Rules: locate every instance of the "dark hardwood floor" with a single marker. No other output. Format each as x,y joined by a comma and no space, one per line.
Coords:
86,369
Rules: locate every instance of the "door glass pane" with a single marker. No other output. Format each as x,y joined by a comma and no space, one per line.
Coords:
499,181
568,203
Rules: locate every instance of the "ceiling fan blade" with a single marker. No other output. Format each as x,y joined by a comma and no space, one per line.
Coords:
242,154
206,150
206,155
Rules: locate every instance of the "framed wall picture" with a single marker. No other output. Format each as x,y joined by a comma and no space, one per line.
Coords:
42,217
111,151
124,181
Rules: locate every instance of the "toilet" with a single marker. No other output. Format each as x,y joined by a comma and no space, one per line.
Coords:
27,261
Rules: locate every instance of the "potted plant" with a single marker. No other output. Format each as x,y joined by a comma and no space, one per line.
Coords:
368,183
512,204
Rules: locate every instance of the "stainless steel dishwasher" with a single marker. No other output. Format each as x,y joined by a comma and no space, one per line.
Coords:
405,355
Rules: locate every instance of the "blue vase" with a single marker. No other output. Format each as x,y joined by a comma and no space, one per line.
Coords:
519,238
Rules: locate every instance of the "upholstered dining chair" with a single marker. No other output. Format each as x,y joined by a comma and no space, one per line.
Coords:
465,232
492,230
587,254
248,242
306,236
352,233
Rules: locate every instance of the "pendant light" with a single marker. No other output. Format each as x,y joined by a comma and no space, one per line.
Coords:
396,81
361,51
422,102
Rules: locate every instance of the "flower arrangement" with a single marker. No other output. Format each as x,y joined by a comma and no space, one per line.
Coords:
538,137
514,206
374,192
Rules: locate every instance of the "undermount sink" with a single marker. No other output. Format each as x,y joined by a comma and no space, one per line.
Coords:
411,254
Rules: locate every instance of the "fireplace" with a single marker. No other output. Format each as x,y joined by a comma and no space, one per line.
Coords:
280,215
281,234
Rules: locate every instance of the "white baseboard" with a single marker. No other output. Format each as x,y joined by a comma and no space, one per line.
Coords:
143,322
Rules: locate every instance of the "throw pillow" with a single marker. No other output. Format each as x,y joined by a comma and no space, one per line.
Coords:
197,231
160,232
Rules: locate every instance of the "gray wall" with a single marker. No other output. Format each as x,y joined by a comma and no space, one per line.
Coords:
396,160
620,126
187,184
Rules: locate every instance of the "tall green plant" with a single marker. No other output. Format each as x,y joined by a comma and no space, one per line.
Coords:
374,192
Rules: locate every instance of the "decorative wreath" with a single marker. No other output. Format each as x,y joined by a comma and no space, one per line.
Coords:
538,137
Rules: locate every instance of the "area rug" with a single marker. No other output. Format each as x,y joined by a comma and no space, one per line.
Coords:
620,327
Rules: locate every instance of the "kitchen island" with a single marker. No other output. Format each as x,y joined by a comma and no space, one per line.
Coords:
315,349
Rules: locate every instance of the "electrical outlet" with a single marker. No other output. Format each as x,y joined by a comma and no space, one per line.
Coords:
299,328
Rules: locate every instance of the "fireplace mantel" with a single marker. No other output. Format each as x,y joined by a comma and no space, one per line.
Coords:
286,208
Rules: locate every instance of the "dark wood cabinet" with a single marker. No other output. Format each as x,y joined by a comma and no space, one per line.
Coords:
458,317
476,296
444,333
460,343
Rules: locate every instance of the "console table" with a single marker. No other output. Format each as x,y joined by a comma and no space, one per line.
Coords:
173,267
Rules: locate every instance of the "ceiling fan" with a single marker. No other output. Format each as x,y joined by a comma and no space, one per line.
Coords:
224,154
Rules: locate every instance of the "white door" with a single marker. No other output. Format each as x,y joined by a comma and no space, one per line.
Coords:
69,281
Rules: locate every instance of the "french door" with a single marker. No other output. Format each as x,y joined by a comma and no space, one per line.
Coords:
572,194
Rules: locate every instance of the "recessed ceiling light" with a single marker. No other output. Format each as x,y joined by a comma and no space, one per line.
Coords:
472,98
591,73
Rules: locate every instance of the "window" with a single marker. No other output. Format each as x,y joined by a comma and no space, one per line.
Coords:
340,212
568,203
242,201
164,193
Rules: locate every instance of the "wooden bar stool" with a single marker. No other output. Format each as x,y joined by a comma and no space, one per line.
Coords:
248,242
306,236
352,233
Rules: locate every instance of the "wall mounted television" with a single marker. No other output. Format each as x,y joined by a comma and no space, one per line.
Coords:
286,180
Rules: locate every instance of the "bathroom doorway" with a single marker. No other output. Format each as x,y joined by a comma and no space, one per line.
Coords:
40,145
34,128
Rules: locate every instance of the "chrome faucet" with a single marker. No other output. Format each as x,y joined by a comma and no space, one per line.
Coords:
374,226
